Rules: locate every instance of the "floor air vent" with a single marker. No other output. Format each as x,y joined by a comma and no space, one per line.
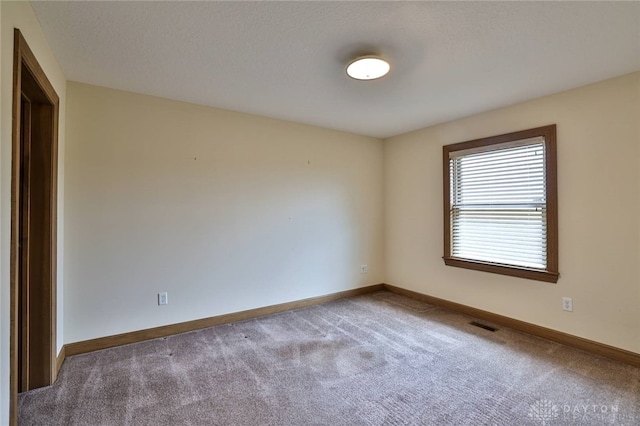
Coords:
485,326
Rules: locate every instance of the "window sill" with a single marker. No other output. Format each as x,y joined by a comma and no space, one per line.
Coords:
531,274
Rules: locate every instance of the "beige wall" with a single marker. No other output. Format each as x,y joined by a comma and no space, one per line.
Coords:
599,214
227,211
224,211
20,15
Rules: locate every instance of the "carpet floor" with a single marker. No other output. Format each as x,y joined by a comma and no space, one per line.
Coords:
378,359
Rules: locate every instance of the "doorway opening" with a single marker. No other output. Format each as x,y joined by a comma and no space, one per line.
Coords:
33,226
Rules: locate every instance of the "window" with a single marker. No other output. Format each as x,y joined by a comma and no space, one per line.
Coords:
500,204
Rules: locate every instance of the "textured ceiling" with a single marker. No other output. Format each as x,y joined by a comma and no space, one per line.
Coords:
287,59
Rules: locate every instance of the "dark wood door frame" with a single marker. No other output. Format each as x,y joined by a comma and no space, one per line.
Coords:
33,226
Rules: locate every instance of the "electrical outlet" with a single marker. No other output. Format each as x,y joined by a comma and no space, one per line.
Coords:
364,269
163,298
567,304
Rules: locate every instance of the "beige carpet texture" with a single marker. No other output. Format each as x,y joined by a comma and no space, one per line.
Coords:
378,359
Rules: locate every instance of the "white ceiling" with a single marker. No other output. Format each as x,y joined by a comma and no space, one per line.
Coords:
287,60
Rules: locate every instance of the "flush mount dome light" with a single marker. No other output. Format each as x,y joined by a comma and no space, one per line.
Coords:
368,68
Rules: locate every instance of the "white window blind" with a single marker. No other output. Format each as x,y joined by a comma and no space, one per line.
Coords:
498,204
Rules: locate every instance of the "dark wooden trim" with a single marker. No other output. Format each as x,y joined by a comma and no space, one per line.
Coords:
566,339
29,60
60,359
24,202
183,327
591,346
47,112
551,274
532,274
15,211
446,202
551,176
545,131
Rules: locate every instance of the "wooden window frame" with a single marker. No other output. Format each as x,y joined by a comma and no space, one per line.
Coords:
551,273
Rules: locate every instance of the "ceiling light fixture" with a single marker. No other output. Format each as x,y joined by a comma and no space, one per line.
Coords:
368,68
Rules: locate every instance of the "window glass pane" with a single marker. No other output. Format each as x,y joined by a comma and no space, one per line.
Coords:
498,206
